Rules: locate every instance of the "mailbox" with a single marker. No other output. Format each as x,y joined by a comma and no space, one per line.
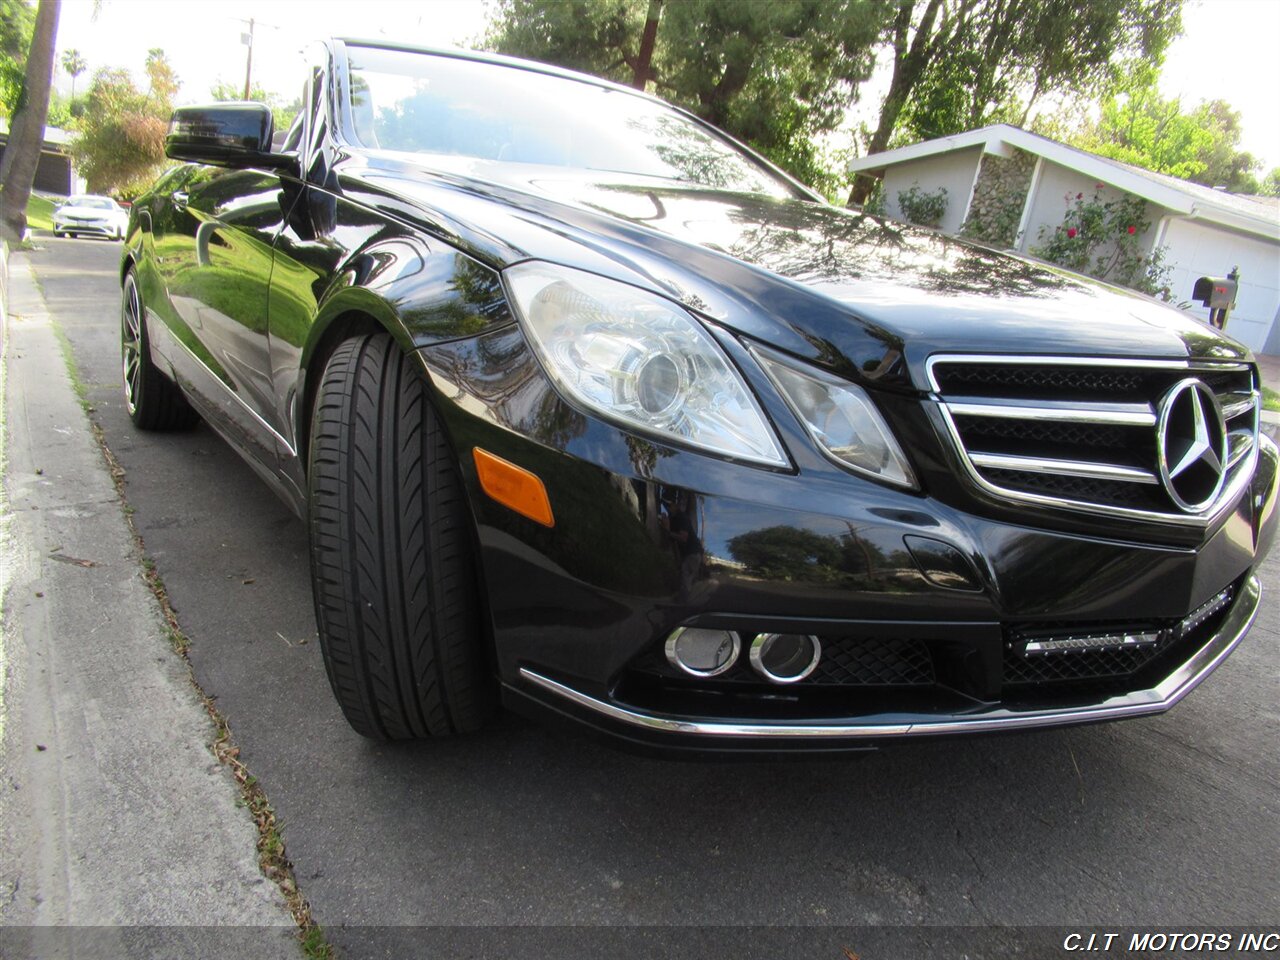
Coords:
1219,295
1216,293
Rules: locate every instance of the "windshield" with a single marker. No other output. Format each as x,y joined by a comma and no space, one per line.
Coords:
423,103
96,203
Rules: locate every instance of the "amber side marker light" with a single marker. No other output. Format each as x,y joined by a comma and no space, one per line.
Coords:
513,487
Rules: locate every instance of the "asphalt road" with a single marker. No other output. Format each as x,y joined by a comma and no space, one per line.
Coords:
537,842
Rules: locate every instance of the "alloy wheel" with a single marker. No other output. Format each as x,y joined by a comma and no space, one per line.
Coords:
131,346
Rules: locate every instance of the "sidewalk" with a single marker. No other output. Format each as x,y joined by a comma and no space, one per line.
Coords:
122,835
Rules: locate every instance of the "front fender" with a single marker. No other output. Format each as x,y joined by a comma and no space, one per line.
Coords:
418,289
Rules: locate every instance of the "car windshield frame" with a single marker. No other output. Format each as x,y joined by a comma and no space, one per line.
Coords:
346,128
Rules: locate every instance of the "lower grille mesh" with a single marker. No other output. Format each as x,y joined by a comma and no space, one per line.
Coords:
1080,665
859,662
1022,667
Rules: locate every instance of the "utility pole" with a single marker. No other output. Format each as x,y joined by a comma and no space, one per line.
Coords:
247,40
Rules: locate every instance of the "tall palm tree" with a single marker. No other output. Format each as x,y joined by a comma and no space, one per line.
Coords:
26,127
74,64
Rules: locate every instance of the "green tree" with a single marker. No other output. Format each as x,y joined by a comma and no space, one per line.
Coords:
162,82
774,73
17,19
282,113
26,131
1139,126
971,62
1226,165
74,64
120,146
1270,184
59,114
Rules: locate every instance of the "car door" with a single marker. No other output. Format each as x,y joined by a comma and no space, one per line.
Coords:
214,257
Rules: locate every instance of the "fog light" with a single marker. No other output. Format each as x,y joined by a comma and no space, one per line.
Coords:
785,657
702,653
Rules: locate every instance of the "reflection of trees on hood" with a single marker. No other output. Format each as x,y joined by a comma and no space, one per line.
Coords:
815,244
825,245
975,270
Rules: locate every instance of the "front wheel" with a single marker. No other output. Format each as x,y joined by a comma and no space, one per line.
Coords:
152,400
392,563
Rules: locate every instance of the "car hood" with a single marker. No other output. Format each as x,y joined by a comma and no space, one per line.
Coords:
861,295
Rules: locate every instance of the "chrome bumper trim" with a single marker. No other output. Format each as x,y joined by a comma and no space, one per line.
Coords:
1136,704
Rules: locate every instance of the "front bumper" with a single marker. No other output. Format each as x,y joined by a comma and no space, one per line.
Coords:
985,718
579,611
97,228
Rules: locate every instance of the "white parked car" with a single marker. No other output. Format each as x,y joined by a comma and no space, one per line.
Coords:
90,215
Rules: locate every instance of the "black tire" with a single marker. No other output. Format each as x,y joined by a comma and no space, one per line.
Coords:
392,565
153,401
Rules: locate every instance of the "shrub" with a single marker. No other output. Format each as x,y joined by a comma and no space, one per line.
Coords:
921,208
1103,239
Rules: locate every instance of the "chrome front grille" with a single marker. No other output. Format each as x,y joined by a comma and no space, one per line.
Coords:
1082,433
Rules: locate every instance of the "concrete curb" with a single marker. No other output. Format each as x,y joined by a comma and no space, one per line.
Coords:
113,810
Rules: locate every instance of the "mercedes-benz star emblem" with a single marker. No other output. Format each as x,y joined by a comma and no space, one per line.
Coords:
1191,445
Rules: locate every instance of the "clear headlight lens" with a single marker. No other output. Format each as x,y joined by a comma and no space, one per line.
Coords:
640,361
841,419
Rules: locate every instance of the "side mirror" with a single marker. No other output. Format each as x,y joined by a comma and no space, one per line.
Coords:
225,135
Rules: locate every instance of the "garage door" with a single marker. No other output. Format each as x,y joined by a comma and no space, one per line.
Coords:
1199,249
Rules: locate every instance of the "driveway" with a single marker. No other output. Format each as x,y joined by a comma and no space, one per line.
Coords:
530,842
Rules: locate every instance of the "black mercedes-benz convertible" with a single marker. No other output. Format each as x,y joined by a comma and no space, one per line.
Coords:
593,412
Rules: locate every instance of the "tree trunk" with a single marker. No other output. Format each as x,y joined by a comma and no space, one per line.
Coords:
908,64
644,62
715,102
26,131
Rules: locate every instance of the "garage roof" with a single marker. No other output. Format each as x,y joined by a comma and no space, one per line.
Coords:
1256,215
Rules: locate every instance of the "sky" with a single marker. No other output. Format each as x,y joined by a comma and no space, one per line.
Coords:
1229,51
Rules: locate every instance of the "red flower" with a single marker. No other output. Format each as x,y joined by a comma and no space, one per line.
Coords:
1079,196
1132,230
1071,232
1099,186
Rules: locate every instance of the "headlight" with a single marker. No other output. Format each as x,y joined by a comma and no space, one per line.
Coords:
841,419
640,361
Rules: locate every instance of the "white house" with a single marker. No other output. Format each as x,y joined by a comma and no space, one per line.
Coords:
1203,231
